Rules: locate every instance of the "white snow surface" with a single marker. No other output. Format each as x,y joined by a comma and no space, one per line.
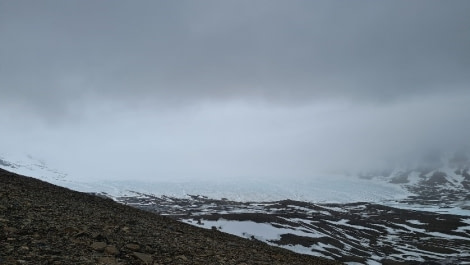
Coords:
321,189
261,231
326,189
335,189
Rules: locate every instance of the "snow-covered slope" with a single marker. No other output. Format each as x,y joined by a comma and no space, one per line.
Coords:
332,189
356,233
443,181
374,219
440,180
31,166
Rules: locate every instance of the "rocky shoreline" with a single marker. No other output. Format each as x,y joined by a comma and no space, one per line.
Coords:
45,224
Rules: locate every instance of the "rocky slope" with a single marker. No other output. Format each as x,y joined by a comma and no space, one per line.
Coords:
430,226
439,179
44,224
357,233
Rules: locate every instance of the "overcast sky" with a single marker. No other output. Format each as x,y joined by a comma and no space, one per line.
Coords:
232,89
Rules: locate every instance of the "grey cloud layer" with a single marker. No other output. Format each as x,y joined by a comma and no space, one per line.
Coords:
164,89
55,52
242,141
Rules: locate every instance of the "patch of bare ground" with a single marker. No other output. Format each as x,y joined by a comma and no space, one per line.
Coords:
44,224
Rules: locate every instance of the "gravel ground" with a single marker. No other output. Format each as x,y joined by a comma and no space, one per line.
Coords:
45,224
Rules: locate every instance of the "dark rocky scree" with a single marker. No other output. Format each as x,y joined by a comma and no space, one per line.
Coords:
438,189
44,224
355,232
436,184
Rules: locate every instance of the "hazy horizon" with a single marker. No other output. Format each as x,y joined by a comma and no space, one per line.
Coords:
233,89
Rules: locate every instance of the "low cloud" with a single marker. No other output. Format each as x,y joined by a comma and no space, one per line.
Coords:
240,141
56,54
232,89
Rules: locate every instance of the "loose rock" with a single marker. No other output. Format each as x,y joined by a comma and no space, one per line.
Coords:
60,226
111,250
98,246
143,257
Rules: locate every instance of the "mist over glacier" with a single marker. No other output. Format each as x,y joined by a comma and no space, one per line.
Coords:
232,90
330,128
242,140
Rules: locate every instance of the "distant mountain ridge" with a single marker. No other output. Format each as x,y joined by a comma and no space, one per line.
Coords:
430,226
440,178
31,166
437,178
